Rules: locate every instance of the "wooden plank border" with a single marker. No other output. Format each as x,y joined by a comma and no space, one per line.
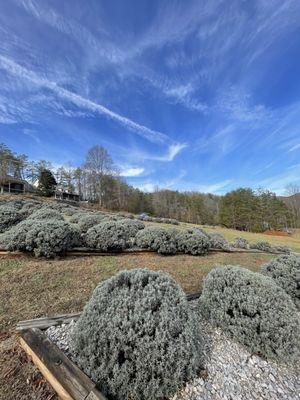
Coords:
80,252
69,382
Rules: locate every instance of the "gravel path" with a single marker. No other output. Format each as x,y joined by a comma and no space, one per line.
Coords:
231,372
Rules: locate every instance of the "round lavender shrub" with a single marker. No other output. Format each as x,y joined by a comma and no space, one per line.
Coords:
241,243
50,238
15,238
88,221
158,239
192,241
108,236
9,216
46,214
252,309
262,246
285,271
137,337
217,241
132,226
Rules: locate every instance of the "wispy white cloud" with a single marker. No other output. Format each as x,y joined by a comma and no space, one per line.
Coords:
32,134
151,186
172,152
132,171
237,104
215,188
295,147
17,70
279,182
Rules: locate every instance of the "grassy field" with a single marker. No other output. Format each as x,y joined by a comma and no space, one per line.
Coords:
292,241
30,288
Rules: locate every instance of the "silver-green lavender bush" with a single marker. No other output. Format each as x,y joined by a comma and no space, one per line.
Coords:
285,271
46,214
262,245
192,241
217,241
50,238
9,216
137,337
254,310
241,243
88,221
15,238
158,239
108,236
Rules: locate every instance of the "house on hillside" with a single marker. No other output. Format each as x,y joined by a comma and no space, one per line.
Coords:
11,184
61,195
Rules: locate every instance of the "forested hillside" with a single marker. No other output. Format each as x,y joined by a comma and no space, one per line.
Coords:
98,181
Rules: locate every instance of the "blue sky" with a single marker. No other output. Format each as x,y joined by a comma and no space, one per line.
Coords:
187,95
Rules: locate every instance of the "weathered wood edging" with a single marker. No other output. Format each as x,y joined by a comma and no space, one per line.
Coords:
85,252
69,382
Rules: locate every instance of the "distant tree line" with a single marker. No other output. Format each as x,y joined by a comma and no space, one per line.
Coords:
99,182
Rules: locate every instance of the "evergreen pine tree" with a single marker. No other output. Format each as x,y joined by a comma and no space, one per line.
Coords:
47,183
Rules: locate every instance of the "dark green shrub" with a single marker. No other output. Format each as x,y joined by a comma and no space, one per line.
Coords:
254,310
9,216
285,270
192,241
158,239
137,337
50,238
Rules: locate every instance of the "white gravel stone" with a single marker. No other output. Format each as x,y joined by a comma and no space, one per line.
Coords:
231,372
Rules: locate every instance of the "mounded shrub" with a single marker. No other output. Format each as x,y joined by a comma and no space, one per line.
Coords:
263,246
15,237
29,207
132,226
108,236
192,241
285,271
158,239
126,215
70,211
46,214
50,238
9,216
241,243
282,249
75,218
88,221
137,337
254,310
217,241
